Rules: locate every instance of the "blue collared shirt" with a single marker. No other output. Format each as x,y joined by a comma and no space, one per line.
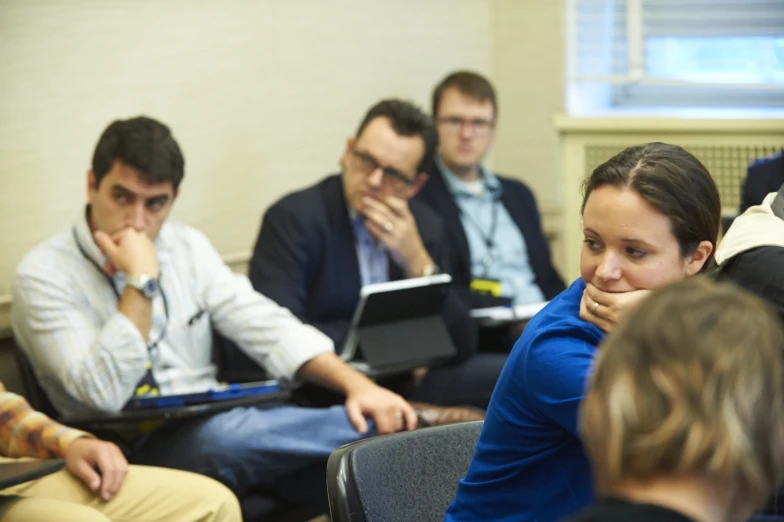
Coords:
507,259
372,257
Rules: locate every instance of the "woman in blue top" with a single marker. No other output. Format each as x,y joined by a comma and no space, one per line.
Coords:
651,215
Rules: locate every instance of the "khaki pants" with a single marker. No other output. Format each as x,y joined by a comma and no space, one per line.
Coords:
148,494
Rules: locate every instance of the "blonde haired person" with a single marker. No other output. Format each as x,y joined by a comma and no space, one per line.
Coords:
684,415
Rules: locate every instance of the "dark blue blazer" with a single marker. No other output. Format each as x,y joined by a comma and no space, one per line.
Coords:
305,259
519,201
762,178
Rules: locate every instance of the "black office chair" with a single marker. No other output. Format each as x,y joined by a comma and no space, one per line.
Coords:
33,392
257,505
409,476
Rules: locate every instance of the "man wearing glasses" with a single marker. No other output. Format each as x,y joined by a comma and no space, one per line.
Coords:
501,255
319,246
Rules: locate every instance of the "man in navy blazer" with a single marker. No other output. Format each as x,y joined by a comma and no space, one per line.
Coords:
500,252
494,225
317,247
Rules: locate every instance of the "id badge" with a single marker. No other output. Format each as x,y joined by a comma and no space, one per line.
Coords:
486,286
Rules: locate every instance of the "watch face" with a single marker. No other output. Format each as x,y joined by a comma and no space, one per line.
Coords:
150,288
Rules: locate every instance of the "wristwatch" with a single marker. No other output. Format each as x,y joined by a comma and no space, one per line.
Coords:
431,269
147,285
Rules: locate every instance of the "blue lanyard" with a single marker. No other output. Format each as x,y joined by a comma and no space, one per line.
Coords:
489,238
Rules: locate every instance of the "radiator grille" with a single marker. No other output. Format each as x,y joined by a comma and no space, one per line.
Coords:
727,164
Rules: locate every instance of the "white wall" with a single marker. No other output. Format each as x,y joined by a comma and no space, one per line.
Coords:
261,95
528,70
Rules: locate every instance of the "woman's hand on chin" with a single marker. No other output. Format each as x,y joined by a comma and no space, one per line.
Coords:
605,309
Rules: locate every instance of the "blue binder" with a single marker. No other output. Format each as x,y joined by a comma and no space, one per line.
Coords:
232,391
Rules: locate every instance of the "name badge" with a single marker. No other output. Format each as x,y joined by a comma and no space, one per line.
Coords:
486,286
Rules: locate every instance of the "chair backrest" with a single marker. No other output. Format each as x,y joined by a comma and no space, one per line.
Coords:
9,373
408,476
232,363
33,392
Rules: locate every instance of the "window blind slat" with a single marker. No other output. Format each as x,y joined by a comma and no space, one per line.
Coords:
718,18
677,40
713,4
694,51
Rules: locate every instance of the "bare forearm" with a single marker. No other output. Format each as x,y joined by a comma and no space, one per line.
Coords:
416,265
329,370
138,310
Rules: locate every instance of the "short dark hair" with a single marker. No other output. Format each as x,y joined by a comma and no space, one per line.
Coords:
673,182
144,144
406,120
468,83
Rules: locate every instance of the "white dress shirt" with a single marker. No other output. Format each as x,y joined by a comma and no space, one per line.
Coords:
90,357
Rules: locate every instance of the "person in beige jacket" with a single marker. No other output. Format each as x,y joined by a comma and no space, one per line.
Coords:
97,484
751,254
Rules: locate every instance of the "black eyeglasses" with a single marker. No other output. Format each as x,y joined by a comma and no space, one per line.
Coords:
367,164
456,124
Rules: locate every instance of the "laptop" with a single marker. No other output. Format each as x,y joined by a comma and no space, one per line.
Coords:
399,325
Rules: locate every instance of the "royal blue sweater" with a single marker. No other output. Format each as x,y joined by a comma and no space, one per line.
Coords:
529,463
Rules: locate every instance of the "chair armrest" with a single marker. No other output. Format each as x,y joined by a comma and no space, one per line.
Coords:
19,471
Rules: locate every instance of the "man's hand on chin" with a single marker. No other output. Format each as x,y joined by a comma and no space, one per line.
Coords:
129,251
605,309
391,222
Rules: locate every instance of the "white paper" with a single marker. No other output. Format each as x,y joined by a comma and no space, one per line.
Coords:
507,314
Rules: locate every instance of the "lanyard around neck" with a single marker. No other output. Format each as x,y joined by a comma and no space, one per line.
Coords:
487,238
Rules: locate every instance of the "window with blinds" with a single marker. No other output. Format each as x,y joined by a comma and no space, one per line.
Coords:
679,53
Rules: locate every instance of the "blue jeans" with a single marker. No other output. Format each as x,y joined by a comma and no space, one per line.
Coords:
469,383
252,446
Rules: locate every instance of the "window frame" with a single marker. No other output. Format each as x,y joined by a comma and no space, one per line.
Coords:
634,89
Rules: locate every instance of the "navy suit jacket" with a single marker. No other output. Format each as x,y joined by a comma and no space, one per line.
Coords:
305,259
761,179
519,201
